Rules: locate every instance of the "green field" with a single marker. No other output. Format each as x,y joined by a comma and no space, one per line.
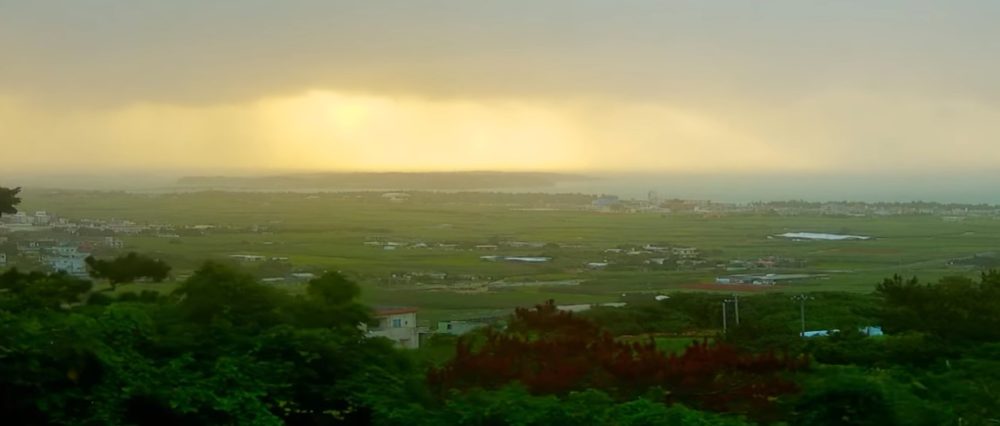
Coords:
328,231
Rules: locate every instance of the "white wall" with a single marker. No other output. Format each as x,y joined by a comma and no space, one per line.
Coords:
400,328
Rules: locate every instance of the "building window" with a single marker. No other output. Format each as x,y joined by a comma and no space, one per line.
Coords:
397,323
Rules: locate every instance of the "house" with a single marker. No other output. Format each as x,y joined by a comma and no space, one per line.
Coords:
685,252
64,250
818,333
766,279
72,264
588,306
396,197
247,258
516,259
22,218
527,259
398,324
872,330
115,243
526,244
574,308
42,218
605,202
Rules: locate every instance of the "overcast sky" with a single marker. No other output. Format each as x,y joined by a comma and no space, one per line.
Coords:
675,86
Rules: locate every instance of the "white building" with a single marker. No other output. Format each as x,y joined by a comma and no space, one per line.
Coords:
42,218
3,259
65,250
115,243
398,324
247,258
685,252
71,264
460,327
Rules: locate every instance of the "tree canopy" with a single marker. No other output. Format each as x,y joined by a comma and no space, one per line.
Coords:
9,200
127,268
224,348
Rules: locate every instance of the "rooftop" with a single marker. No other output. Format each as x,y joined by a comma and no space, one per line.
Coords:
381,311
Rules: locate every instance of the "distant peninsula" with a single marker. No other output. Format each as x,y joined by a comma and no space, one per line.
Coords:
485,180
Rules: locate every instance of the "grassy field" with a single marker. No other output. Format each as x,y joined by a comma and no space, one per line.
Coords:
328,232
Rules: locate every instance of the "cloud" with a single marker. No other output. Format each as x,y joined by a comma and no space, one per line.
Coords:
184,51
632,85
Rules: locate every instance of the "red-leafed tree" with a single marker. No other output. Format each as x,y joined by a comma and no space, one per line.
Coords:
553,352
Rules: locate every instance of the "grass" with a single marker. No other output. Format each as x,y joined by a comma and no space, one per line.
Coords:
328,232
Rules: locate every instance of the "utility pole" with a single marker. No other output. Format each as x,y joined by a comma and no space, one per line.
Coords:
802,310
736,306
724,328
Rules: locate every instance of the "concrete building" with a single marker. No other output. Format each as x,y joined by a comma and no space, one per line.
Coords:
588,306
71,264
398,324
685,252
115,243
766,279
42,218
65,250
605,202
460,327
247,258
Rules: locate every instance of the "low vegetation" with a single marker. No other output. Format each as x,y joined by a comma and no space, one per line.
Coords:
224,349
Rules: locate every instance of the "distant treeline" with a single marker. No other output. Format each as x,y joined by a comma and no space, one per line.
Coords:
385,181
929,205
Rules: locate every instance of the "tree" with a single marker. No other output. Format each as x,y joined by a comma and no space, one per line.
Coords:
39,290
9,199
127,268
954,309
332,301
219,292
554,352
514,405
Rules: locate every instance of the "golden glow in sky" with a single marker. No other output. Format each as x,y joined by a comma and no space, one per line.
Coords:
323,130
650,86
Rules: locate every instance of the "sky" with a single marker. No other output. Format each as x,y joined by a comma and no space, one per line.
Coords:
701,87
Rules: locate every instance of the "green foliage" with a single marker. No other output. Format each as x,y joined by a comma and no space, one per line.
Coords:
223,350
656,318
219,293
33,290
966,387
849,396
8,200
953,309
127,268
226,349
514,405
845,401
